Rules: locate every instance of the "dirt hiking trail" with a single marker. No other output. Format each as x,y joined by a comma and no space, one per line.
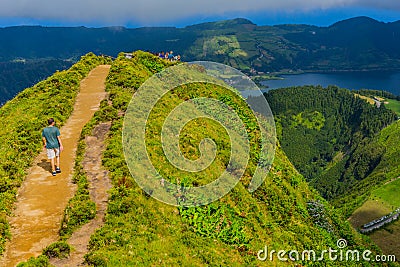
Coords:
99,184
42,198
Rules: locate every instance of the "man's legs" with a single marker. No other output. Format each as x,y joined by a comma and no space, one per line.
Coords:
58,164
53,167
54,157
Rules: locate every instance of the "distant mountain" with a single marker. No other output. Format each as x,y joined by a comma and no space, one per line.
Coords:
358,43
238,23
32,42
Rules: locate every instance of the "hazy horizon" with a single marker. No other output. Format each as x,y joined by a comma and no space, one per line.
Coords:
195,23
180,13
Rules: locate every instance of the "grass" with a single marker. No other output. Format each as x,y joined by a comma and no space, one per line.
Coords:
393,105
389,103
80,208
389,193
372,209
385,197
139,230
22,120
388,239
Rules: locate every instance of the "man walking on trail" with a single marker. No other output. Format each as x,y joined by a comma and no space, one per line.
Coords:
52,145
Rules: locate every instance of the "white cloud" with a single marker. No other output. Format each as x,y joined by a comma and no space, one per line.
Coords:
151,12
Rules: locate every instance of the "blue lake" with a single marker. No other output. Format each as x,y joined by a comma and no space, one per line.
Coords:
379,80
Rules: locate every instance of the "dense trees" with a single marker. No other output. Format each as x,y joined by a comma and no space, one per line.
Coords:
326,133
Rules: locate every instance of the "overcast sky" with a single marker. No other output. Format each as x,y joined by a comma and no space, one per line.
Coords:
133,13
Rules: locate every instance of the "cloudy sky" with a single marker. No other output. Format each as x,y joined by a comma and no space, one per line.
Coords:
135,13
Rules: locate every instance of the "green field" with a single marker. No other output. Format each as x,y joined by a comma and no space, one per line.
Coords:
394,105
389,194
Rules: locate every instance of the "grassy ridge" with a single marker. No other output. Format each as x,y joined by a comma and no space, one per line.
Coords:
22,120
388,193
284,213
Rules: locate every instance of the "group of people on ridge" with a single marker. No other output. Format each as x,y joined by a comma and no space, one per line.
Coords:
169,56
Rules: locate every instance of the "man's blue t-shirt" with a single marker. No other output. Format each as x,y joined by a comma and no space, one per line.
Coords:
51,133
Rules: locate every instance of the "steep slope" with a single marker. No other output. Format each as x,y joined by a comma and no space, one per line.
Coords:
347,148
284,213
378,195
327,133
381,183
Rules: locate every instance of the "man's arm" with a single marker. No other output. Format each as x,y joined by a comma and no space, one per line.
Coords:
59,141
44,142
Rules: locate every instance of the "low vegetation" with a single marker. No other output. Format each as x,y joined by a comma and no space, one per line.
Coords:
142,231
22,120
284,213
57,250
388,99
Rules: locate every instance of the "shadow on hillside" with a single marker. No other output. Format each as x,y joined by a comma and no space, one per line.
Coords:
369,211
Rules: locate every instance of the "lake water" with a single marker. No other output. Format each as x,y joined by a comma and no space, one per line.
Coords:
379,80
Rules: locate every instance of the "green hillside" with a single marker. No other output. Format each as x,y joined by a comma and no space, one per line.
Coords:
379,194
284,213
327,134
347,149
381,183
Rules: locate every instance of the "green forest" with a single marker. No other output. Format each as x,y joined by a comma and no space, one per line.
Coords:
329,134
17,75
238,42
283,213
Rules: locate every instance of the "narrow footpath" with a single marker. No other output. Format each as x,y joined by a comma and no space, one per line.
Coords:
42,198
99,184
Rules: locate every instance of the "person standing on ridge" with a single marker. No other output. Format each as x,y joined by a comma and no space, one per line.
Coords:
52,145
